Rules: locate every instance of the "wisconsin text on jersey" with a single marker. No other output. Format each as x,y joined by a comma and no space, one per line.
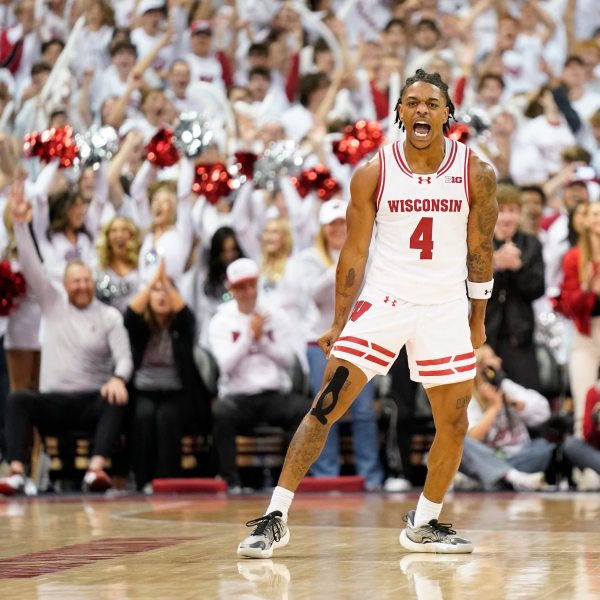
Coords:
425,205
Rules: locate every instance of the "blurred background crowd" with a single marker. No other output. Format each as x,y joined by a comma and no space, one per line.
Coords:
174,177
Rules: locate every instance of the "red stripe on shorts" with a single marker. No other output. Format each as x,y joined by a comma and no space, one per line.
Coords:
374,359
349,338
437,373
434,361
382,350
465,368
464,356
348,350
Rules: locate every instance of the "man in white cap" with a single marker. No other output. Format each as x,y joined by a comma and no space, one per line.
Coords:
152,19
251,345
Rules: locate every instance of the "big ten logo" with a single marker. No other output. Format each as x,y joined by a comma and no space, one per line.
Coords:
453,179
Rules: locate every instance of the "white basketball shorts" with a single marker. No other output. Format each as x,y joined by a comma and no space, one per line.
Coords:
437,338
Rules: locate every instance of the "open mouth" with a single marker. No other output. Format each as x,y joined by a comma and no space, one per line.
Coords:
421,129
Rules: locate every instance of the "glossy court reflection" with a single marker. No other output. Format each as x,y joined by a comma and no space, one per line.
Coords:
345,547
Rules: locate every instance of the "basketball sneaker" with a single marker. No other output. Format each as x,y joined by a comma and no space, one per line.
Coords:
270,532
96,481
13,484
433,537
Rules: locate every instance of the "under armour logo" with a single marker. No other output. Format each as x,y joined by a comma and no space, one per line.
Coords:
424,179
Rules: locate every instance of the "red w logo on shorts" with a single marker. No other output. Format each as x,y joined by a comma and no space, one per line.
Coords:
360,308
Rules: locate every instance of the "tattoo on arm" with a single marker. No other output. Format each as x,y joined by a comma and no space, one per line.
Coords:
350,277
463,402
481,223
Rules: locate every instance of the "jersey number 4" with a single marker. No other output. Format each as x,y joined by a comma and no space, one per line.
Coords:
422,238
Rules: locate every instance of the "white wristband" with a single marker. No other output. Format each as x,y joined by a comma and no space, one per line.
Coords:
480,290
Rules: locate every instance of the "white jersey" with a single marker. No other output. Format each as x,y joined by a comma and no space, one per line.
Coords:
421,250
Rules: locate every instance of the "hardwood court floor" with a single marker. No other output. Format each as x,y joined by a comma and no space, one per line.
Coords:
343,547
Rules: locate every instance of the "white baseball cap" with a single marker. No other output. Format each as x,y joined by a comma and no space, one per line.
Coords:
241,270
332,210
145,5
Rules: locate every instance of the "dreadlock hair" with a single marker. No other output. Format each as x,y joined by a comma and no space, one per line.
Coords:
433,79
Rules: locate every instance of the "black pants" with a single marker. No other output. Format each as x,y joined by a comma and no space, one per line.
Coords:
236,414
159,420
58,413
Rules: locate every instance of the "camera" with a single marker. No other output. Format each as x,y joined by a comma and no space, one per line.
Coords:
493,376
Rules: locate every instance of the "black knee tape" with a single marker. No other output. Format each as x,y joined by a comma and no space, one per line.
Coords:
330,395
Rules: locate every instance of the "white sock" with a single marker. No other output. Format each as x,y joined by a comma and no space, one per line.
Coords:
281,500
426,511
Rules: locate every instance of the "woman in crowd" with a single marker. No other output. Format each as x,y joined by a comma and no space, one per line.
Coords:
118,278
279,280
170,236
21,340
168,392
67,236
207,288
580,299
317,268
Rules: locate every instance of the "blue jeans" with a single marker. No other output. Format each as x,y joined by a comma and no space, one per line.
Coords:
481,462
582,455
364,430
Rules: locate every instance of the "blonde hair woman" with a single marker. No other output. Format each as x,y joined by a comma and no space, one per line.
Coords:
580,298
118,248
167,207
276,249
279,279
317,272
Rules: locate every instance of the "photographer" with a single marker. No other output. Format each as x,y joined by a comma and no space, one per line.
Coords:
498,447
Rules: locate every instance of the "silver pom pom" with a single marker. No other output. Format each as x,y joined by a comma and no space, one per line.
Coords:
97,144
192,134
477,119
281,158
108,291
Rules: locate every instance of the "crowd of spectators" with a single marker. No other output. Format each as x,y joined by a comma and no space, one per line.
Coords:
131,266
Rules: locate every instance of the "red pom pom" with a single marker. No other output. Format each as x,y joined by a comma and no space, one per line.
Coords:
213,181
459,132
52,143
360,140
317,179
246,161
161,150
12,287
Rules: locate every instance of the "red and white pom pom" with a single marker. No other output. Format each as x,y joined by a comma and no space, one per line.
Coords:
55,143
12,287
360,140
213,181
161,150
317,179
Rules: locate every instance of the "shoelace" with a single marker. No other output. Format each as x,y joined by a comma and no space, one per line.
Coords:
262,523
445,528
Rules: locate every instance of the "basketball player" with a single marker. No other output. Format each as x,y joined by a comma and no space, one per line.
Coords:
434,205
